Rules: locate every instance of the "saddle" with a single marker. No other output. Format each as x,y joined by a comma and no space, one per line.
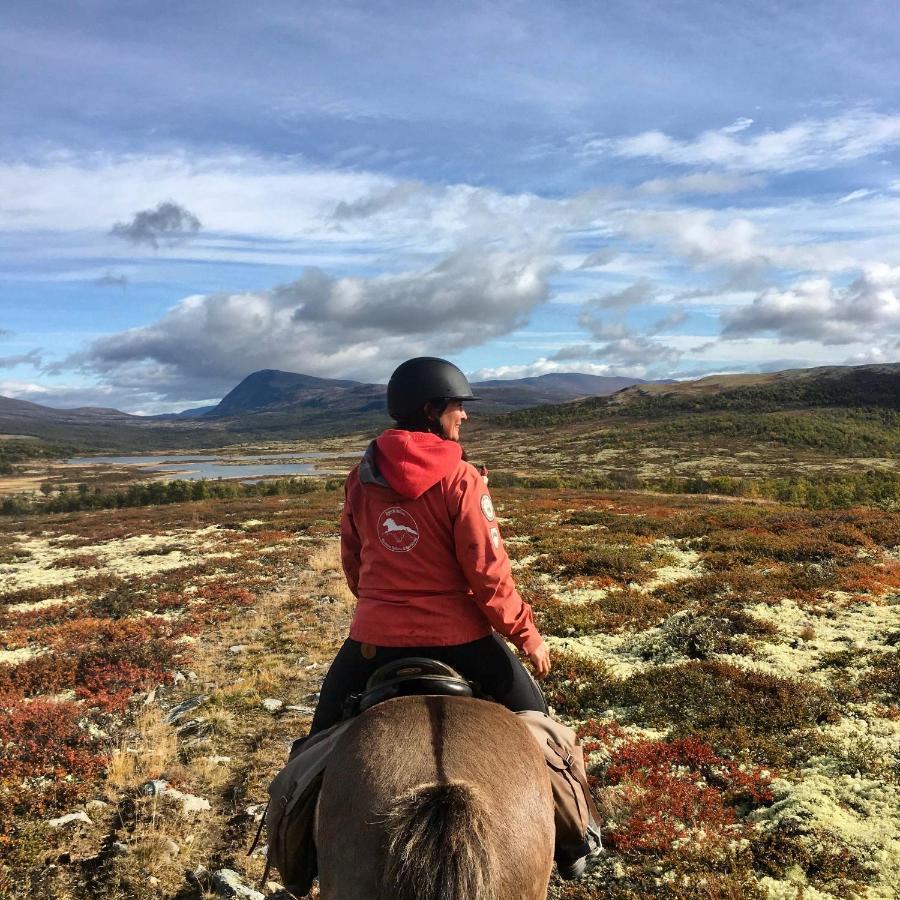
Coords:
405,677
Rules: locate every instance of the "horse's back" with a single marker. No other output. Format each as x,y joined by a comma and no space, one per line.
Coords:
468,752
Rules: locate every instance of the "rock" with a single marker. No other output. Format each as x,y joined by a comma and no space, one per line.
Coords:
255,811
183,708
198,875
237,649
119,849
218,760
97,805
155,788
301,708
178,678
189,803
71,819
195,727
227,883
272,705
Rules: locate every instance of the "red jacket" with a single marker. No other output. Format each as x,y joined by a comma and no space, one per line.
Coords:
421,549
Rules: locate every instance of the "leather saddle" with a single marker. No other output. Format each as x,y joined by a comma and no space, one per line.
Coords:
404,677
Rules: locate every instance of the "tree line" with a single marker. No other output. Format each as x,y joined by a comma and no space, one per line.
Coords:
158,493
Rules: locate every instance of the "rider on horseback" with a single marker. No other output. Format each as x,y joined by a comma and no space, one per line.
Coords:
421,550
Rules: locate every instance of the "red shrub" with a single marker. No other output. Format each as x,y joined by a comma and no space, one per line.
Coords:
43,739
870,578
600,735
103,660
671,788
226,593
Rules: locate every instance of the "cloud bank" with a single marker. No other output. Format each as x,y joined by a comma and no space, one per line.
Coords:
323,325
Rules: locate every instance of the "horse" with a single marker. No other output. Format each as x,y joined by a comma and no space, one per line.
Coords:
435,798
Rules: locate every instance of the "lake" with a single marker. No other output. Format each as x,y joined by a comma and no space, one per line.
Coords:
193,467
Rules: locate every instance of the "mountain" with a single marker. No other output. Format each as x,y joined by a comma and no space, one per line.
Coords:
272,391
270,388
575,384
100,428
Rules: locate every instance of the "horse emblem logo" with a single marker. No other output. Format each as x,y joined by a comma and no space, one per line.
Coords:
398,530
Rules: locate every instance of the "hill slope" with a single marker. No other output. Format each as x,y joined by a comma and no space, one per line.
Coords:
831,386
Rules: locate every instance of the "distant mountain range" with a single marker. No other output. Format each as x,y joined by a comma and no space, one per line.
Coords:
274,405
272,391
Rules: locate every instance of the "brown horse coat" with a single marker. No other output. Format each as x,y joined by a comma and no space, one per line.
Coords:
436,798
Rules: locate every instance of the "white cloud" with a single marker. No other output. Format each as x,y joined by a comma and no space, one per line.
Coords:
260,209
866,311
738,125
810,144
701,183
544,366
275,197
321,325
698,236
618,345
855,195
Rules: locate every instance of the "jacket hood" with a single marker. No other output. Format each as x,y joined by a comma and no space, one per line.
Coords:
411,462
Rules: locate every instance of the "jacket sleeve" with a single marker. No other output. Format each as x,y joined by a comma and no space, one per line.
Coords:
483,559
350,544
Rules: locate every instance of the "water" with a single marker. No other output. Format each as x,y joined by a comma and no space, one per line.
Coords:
194,467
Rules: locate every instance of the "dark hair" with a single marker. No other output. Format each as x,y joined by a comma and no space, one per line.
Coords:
420,420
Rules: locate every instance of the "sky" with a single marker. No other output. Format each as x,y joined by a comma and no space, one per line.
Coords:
191,192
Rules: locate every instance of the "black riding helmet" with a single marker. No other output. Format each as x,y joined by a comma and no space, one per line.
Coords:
417,381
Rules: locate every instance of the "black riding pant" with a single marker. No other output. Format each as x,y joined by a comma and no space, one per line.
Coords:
488,661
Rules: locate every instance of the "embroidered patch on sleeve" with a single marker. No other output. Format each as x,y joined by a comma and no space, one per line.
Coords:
487,507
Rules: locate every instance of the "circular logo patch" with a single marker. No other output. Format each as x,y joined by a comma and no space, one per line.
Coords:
487,507
397,530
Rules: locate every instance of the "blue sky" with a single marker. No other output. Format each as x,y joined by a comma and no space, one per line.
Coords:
190,192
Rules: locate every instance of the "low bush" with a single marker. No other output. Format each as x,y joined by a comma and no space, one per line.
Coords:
712,697
671,790
578,686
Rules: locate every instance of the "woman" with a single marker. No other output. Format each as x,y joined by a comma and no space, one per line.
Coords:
422,552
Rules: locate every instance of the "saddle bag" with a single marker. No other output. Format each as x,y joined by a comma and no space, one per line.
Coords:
290,817
574,808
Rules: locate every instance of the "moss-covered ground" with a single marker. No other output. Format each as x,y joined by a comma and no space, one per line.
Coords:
731,666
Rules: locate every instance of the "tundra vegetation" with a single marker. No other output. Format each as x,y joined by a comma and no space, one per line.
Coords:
729,658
